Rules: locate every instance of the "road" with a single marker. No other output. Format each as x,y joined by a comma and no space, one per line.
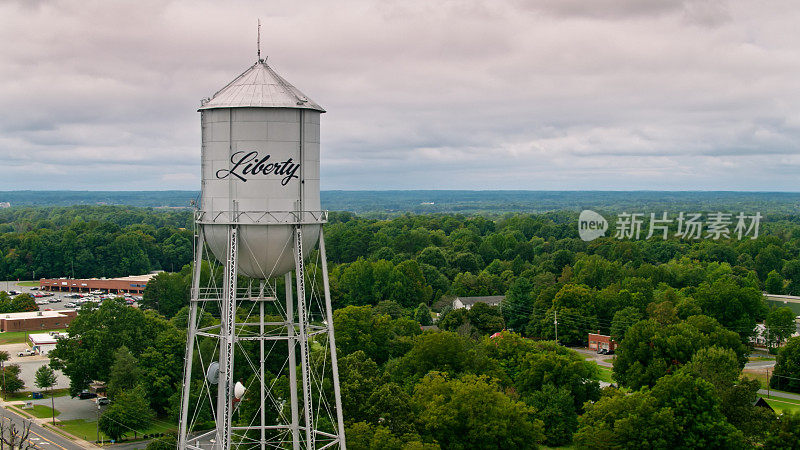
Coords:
779,394
42,438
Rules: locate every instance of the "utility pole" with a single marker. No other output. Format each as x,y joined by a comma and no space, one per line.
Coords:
767,370
555,322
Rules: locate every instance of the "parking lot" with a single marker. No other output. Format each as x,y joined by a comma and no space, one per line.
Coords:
30,364
59,300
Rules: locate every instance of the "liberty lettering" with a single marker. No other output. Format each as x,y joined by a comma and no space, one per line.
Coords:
250,164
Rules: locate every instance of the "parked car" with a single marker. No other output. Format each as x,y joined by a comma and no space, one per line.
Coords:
42,302
86,394
102,401
602,351
54,300
26,352
35,289
36,395
70,305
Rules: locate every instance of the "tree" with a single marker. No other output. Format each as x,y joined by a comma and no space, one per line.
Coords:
445,352
774,283
719,366
555,408
485,318
787,433
168,442
390,405
423,315
452,319
787,367
3,360
621,421
166,293
735,307
473,413
651,350
12,382
791,272
781,324
517,304
125,373
359,377
379,336
95,335
46,379
129,412
697,411
14,437
624,319
389,307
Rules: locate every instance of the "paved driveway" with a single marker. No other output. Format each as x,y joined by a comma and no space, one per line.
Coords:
28,366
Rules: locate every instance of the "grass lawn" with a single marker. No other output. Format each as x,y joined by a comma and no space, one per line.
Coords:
18,337
28,283
42,412
786,405
605,374
82,429
87,430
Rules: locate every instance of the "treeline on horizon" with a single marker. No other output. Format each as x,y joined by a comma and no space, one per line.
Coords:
395,202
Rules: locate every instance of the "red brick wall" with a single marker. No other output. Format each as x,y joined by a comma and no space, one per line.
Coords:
37,323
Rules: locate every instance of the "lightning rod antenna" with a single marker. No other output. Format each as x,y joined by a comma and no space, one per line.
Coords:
259,40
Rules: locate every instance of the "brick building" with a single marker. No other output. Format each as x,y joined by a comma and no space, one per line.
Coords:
132,284
602,342
37,320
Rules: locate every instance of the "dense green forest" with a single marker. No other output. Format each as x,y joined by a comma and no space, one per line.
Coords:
92,241
683,311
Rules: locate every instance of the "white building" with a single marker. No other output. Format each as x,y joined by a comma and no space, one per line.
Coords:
42,343
468,302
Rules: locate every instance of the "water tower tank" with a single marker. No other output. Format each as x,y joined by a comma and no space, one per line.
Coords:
260,169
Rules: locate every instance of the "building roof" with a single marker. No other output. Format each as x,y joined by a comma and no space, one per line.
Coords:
259,87
781,297
35,314
44,338
489,299
762,403
141,278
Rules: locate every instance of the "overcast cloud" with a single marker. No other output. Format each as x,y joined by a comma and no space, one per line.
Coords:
549,94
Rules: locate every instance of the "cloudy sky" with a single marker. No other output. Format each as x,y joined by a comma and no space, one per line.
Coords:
547,94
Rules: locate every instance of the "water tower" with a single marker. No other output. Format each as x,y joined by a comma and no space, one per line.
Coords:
259,302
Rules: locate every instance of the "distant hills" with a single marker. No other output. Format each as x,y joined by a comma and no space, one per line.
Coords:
386,203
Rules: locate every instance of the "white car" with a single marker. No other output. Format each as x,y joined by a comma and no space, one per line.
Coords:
26,352
54,300
42,302
70,305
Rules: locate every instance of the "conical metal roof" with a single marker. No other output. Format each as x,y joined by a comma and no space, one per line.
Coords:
259,87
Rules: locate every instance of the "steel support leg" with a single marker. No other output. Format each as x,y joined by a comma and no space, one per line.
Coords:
227,337
332,343
190,338
261,359
302,318
290,324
